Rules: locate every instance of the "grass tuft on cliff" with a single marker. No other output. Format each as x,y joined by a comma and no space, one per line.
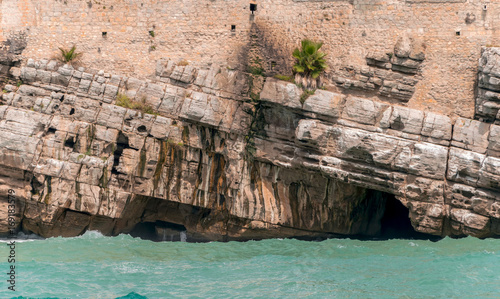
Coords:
123,100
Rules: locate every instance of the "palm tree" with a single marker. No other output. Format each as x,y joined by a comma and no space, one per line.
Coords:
70,55
310,64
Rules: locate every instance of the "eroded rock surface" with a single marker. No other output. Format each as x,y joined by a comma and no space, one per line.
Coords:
488,95
209,160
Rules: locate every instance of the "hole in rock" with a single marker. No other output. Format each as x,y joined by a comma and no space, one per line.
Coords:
253,7
51,131
457,33
70,142
36,186
72,111
159,231
142,129
233,28
395,222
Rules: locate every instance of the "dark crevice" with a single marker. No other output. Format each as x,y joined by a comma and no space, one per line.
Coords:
121,144
70,142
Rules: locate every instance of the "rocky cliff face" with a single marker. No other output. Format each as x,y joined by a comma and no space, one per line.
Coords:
208,160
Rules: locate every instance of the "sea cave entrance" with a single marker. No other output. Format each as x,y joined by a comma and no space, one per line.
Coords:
159,231
395,222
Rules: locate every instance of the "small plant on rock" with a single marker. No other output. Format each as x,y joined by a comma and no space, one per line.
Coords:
123,100
69,56
183,62
284,78
310,63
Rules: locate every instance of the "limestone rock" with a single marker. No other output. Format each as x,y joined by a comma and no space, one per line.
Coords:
471,134
402,48
228,169
282,93
324,102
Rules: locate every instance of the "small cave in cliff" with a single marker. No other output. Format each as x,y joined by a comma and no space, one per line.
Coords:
395,222
159,231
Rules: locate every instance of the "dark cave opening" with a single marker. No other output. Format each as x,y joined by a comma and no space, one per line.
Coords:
396,224
159,231
70,142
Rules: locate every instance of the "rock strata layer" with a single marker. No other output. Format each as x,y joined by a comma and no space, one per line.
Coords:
208,160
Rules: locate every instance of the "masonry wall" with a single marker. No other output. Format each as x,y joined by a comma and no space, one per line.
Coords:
196,31
353,29
200,32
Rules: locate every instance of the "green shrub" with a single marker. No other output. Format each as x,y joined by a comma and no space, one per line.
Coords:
310,61
124,101
70,55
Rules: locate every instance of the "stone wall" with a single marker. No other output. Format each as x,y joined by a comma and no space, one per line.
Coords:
137,32
355,30
200,32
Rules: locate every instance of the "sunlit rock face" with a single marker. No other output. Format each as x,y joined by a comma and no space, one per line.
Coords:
202,161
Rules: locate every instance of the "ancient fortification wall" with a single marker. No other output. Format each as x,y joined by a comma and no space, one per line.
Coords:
200,32
137,32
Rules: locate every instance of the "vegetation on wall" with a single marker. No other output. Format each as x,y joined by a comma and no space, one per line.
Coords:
69,56
123,100
310,64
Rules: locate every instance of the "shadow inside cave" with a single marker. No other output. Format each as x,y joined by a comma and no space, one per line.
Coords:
396,224
383,218
159,231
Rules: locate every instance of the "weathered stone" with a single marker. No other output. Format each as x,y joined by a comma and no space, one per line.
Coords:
363,111
406,120
324,102
471,134
281,92
111,116
464,166
402,48
437,126
494,138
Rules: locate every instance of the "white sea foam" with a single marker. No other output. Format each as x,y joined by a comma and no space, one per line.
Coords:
22,237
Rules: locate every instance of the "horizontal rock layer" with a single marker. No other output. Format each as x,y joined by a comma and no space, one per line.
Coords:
225,168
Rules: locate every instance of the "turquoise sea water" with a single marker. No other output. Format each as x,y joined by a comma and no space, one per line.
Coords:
94,266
